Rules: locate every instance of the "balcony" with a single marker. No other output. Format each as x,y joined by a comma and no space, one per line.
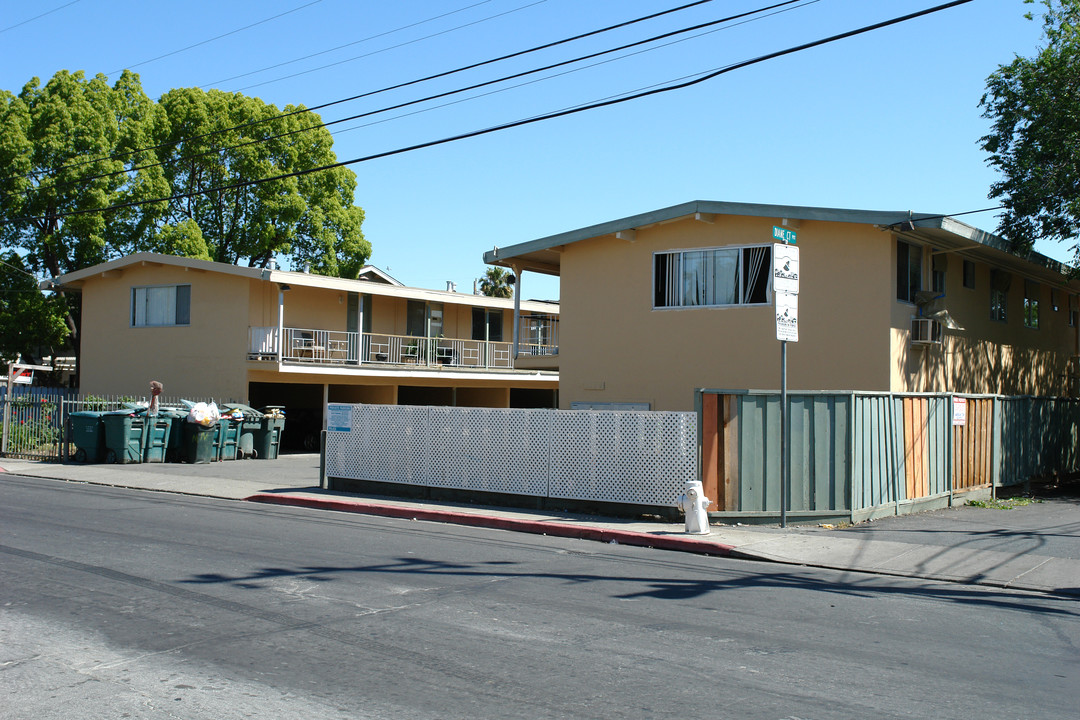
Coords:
352,349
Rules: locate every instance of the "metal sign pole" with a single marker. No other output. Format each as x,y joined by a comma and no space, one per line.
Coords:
786,303
785,450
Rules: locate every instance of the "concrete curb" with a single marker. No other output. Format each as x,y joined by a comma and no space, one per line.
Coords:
604,535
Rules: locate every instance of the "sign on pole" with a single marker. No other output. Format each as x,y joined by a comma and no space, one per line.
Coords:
786,291
786,268
784,235
787,317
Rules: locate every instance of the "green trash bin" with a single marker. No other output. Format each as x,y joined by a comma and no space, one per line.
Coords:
228,439
266,437
123,437
175,444
197,443
156,442
88,434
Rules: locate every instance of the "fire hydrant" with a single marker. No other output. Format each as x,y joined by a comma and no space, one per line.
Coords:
694,503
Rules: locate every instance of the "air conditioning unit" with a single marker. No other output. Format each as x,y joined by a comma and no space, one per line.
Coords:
925,331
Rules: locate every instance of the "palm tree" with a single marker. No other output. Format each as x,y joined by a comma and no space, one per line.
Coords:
497,282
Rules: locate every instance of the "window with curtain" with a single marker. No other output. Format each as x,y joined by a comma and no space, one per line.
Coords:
161,305
712,277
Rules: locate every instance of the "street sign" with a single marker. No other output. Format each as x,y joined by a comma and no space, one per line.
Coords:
783,235
787,316
786,268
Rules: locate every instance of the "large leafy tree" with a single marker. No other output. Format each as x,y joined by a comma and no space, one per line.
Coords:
68,151
1034,141
31,323
214,139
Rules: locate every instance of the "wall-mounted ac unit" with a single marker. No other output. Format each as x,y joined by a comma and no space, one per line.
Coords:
925,331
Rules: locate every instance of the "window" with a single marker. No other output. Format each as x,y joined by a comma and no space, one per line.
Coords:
999,295
908,271
712,277
1031,304
1074,310
161,305
487,324
938,264
423,319
969,274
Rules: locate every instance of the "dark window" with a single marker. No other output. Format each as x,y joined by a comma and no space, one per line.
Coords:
908,270
487,324
969,274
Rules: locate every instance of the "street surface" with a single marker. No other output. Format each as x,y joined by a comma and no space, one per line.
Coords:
125,603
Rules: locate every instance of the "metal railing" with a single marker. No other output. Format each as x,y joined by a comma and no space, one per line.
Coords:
338,347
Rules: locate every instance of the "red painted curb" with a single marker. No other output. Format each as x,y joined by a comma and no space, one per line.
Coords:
625,537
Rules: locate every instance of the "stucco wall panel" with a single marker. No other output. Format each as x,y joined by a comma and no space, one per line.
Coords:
614,347
194,360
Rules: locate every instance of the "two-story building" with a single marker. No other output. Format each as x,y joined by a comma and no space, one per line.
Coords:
656,305
274,337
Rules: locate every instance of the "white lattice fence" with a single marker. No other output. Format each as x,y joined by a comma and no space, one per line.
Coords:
640,458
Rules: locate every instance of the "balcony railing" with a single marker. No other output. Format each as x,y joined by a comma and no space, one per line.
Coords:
337,347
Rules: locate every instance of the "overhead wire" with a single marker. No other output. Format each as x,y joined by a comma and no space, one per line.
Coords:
38,17
709,75
217,37
349,44
744,16
394,47
804,3
396,86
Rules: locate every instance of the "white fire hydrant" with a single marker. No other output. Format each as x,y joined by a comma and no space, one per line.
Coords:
694,503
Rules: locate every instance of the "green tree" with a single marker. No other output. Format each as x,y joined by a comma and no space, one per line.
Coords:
310,218
32,324
67,152
496,283
1034,141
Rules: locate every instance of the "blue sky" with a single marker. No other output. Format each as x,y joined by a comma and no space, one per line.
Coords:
885,121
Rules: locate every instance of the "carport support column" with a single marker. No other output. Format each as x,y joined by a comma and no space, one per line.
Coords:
517,306
281,323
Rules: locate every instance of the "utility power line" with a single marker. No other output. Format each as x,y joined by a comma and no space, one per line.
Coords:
708,75
741,16
37,17
349,44
397,86
393,47
218,37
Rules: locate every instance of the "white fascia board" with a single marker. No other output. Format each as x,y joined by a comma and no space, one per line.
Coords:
531,377
367,287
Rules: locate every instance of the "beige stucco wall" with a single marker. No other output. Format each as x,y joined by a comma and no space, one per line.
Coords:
204,358
986,356
614,347
209,357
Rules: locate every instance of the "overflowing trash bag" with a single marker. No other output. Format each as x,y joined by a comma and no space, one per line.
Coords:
205,414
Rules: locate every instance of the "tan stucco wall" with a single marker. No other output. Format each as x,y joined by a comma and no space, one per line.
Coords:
614,347
986,356
204,358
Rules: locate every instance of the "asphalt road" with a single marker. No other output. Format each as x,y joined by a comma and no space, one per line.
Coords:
123,603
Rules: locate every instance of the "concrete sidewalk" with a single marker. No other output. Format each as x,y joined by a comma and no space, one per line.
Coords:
1036,547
